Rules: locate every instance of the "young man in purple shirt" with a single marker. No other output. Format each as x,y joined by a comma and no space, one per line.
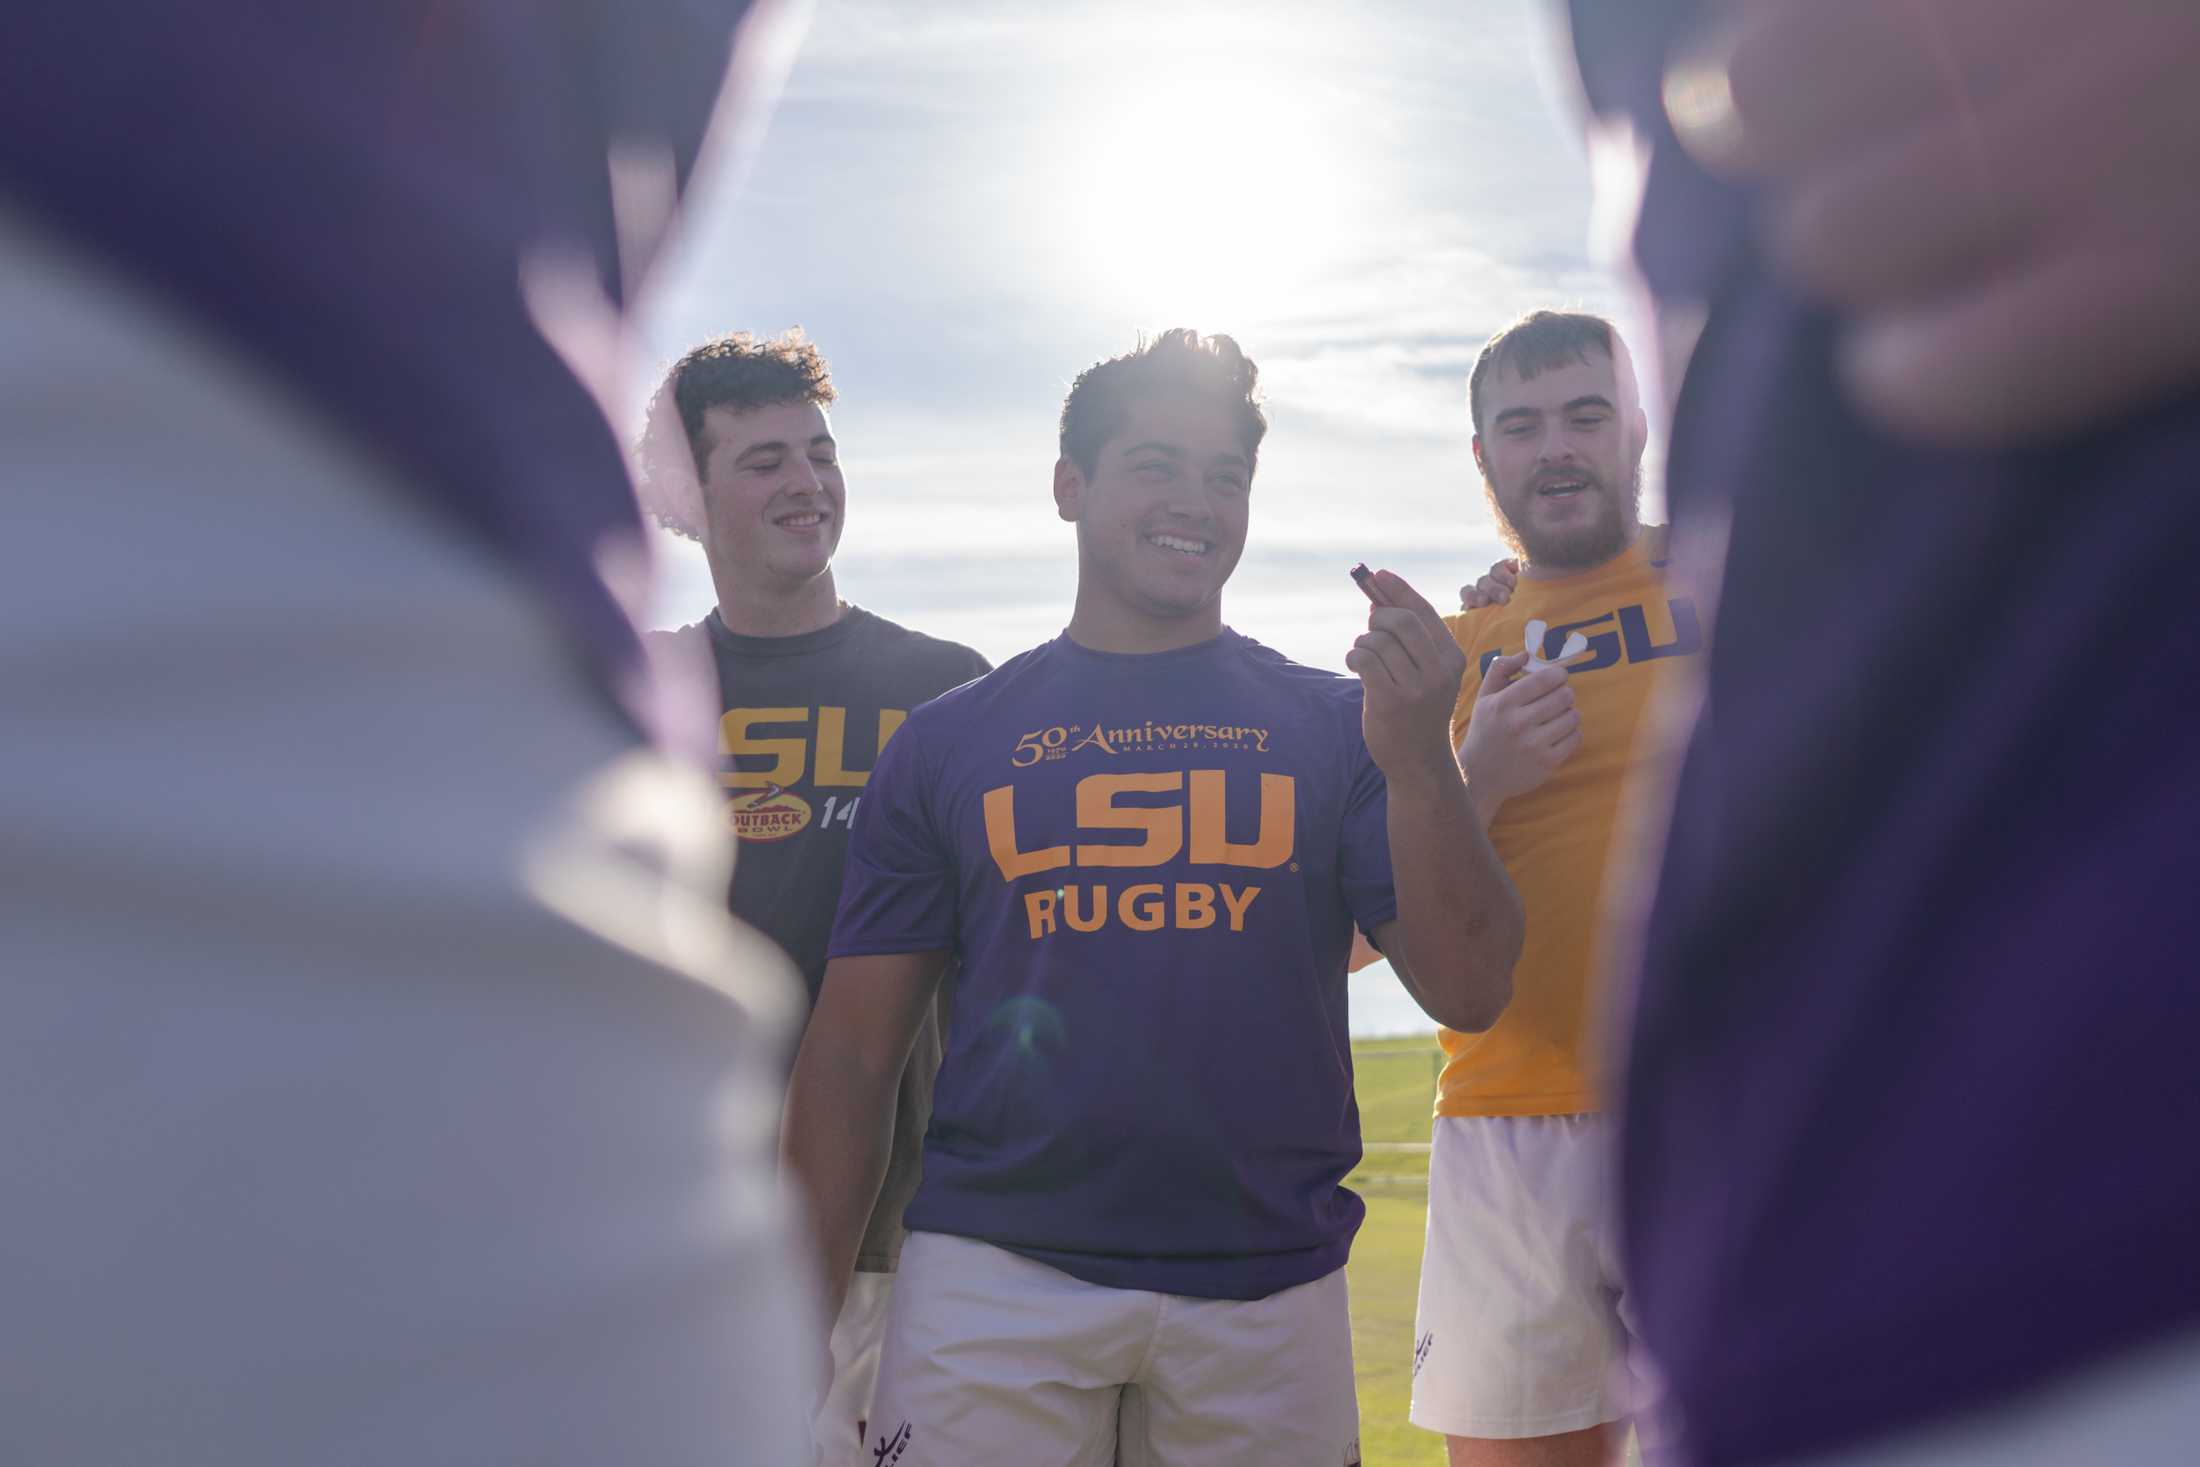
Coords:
1148,843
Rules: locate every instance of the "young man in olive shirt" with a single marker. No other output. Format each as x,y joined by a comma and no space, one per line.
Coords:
740,455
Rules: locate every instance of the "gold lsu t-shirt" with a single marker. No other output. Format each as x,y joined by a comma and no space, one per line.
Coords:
1555,839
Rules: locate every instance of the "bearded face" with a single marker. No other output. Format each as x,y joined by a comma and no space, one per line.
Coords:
1561,460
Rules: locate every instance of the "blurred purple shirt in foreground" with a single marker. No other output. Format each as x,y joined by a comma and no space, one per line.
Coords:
1911,1102
346,195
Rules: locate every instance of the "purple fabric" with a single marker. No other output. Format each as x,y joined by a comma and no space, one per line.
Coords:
1911,1101
1148,1079
345,194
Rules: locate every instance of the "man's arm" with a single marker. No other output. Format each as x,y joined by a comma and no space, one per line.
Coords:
1459,925
840,1102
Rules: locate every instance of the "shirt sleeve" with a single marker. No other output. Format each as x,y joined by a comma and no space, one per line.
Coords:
898,894
1363,862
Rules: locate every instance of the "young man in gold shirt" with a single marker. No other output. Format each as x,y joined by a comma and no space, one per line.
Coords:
1520,1350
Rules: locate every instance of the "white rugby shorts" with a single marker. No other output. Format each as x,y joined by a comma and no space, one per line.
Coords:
857,1334
992,1360
1519,1330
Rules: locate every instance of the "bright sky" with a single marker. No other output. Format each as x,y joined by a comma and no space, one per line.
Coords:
967,205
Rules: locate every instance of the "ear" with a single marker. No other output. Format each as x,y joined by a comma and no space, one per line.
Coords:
1478,463
1630,400
1069,489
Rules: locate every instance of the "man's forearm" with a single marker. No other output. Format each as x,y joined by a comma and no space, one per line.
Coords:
839,1121
1460,920
834,1143
1484,805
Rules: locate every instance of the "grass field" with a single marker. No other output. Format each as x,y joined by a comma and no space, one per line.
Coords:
1396,1080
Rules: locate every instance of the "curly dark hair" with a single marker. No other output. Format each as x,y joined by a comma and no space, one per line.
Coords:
1176,364
1536,343
743,372
738,370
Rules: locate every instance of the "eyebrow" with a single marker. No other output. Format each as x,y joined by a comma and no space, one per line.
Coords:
1573,405
776,445
1155,445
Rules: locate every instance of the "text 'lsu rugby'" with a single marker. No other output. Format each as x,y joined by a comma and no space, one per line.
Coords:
1194,826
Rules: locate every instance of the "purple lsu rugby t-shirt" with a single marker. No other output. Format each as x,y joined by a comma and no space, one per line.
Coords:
1150,867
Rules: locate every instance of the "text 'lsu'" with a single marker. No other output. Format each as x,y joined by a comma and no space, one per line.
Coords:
1193,827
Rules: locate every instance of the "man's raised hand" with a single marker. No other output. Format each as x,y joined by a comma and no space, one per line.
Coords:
1523,727
1411,669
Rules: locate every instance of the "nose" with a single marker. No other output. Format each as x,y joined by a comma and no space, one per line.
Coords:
1552,445
805,479
1189,499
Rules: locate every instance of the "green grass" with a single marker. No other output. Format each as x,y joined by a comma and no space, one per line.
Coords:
1396,1082
1385,1266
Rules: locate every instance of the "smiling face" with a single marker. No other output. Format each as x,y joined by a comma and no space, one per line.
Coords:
1561,457
1161,517
773,497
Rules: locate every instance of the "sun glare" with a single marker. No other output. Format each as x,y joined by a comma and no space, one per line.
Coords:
1212,198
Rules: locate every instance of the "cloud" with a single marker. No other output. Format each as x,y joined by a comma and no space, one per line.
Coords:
925,205
922,205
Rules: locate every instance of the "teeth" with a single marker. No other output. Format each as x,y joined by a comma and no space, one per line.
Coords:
801,521
1178,543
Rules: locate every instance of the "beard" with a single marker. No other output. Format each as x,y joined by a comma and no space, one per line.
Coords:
1577,547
